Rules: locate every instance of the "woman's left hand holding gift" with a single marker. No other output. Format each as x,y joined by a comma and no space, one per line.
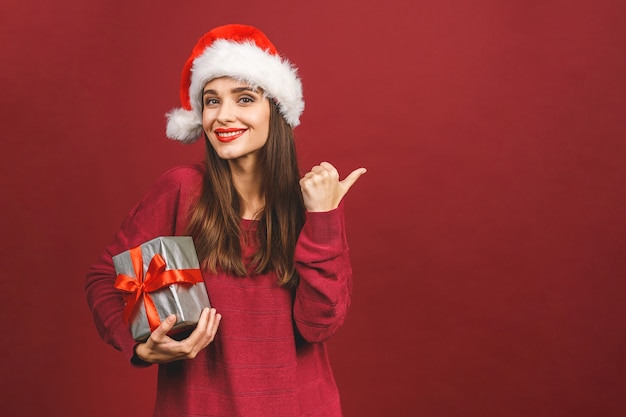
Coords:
160,348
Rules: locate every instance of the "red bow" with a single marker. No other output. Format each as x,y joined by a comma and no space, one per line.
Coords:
156,278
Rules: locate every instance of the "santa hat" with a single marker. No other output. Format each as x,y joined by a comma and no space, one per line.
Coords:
243,53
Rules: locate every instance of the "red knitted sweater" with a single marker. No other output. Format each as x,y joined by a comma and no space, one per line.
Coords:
268,357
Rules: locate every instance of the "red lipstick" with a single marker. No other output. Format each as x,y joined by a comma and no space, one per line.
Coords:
225,135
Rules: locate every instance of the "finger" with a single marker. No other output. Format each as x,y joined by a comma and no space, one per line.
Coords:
210,322
311,180
327,166
166,325
318,169
203,322
208,325
214,324
203,336
351,179
204,317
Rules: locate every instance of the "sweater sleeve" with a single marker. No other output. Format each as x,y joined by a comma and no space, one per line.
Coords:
322,261
162,212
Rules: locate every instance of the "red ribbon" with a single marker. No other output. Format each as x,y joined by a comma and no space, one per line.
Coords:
156,278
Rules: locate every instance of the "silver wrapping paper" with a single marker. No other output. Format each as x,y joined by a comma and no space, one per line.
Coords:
186,301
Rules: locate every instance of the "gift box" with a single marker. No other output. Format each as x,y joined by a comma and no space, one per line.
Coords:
159,278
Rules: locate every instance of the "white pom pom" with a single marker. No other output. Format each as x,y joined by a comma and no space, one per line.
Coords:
183,125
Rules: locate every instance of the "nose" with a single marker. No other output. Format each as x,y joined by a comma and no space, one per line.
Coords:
226,112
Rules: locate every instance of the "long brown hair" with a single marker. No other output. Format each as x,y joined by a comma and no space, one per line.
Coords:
216,217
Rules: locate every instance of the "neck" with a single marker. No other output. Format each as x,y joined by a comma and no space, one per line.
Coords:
247,182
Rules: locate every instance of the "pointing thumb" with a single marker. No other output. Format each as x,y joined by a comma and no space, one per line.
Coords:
354,175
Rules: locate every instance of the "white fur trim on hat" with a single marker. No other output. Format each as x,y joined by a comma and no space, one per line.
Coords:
243,61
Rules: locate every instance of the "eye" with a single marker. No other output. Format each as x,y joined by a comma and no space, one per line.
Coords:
246,99
210,101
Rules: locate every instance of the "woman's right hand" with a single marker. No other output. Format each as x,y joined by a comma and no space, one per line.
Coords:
160,348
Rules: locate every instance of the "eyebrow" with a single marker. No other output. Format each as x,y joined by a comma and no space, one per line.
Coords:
234,90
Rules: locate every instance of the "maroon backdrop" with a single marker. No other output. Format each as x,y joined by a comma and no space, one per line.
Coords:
488,237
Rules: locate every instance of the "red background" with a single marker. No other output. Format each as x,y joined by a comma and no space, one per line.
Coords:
488,237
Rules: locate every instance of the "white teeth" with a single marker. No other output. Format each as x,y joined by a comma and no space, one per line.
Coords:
228,134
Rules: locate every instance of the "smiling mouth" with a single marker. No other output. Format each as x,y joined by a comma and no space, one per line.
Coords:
228,135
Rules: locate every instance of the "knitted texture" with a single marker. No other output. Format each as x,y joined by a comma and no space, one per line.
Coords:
269,357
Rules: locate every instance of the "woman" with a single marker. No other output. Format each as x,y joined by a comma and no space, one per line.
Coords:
272,246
